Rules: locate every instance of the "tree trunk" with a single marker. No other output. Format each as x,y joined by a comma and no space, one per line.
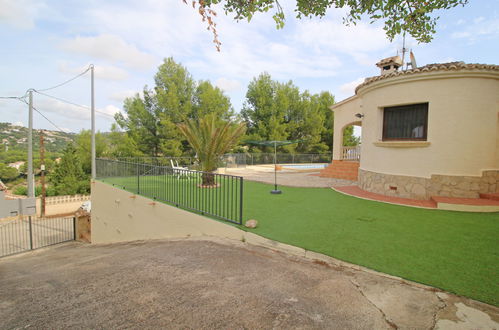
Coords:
208,180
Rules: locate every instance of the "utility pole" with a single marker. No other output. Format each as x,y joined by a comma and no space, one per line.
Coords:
42,171
92,103
31,179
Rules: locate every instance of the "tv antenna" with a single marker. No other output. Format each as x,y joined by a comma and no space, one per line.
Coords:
412,58
403,50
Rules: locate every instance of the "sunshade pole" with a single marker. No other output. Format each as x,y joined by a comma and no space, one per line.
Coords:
269,144
275,191
275,165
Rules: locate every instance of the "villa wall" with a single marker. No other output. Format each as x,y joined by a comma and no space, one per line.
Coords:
120,216
423,188
460,157
462,126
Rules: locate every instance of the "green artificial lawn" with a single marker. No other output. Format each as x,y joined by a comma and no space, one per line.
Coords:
454,251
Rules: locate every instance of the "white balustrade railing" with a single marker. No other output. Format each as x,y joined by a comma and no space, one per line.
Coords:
53,200
350,153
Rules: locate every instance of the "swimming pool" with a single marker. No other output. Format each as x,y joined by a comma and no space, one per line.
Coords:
305,166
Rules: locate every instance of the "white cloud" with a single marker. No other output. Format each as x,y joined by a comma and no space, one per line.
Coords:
357,131
246,52
348,89
121,96
247,48
112,48
331,35
108,111
456,35
20,14
55,110
18,123
481,27
106,72
478,20
228,85
62,109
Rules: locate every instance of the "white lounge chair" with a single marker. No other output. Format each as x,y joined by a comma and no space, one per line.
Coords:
179,170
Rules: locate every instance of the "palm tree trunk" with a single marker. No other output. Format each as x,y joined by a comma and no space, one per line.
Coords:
208,180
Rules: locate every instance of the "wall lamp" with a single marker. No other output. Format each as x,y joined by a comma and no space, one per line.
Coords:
359,115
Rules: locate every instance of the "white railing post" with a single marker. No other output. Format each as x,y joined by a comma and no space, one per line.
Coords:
350,153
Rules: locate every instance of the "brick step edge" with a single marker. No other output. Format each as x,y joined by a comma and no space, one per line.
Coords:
465,201
491,196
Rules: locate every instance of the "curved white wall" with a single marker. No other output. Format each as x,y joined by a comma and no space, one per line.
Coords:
462,123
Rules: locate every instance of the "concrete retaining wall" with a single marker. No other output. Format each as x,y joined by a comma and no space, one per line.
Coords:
118,216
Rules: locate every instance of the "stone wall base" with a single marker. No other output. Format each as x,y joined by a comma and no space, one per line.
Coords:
424,188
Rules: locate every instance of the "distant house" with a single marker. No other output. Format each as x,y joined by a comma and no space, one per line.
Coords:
427,131
16,165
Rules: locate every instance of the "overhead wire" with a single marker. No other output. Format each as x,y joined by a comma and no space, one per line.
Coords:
11,97
72,103
40,91
65,82
57,127
49,88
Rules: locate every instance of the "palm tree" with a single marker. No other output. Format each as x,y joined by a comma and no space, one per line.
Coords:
211,138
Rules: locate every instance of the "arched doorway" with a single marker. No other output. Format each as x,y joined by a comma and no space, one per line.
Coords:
351,141
346,157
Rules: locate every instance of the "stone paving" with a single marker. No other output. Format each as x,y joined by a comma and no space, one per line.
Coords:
288,177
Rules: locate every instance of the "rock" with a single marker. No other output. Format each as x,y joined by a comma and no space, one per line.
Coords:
251,223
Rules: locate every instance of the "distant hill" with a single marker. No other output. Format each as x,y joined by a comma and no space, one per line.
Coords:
16,138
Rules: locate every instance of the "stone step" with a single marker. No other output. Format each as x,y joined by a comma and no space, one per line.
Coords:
338,169
466,204
492,196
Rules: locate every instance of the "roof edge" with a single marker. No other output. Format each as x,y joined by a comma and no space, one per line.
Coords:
450,66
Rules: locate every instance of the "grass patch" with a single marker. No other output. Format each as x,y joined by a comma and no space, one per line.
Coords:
454,251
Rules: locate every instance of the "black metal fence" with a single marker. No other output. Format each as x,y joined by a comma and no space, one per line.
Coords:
159,161
28,233
243,159
234,160
217,195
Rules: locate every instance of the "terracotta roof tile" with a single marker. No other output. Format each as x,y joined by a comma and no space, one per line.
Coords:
451,66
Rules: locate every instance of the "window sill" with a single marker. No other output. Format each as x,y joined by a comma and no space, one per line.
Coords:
402,144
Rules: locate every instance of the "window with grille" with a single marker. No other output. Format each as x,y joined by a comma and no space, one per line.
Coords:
406,122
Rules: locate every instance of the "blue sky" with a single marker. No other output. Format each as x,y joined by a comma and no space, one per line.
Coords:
47,42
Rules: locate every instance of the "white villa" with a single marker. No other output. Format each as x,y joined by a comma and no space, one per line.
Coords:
427,131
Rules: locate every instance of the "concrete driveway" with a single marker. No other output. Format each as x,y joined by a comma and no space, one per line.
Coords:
214,285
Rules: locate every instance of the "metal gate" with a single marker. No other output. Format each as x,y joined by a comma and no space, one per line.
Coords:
28,233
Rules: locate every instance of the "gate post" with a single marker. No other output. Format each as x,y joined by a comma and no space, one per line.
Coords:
30,234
